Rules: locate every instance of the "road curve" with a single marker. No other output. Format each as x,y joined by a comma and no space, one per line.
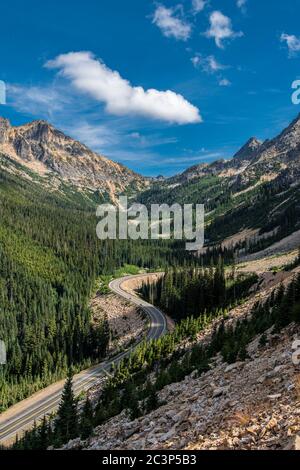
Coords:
22,416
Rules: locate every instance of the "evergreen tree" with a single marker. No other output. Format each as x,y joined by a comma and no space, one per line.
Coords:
66,424
44,435
134,408
152,401
86,419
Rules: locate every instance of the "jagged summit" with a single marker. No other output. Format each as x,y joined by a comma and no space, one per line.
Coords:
256,160
48,151
249,150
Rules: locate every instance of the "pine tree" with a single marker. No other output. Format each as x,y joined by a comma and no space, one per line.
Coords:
66,425
152,401
134,408
44,434
86,420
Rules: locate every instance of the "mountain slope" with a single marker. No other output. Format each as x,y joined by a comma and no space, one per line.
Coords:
249,150
257,189
53,155
229,385
50,258
243,406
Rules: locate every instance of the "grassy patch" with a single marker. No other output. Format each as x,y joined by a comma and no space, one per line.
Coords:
102,283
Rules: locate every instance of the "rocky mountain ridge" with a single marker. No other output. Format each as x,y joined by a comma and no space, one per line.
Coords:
49,152
255,160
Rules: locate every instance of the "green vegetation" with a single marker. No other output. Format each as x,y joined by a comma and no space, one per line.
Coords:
269,206
51,262
44,317
50,259
66,423
192,292
130,389
103,281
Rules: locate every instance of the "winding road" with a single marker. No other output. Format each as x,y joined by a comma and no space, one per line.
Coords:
22,416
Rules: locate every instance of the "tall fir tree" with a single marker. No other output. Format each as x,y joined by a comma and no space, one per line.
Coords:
66,425
86,419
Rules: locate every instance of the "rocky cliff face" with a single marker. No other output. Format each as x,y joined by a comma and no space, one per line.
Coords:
48,151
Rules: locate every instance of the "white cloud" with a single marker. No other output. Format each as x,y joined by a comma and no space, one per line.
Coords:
96,136
107,135
196,61
208,64
91,76
198,5
38,100
170,24
241,3
292,42
221,28
225,82
153,140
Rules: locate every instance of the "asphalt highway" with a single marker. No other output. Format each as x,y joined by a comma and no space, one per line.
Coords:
22,416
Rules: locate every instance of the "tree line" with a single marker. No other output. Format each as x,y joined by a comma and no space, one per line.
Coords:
183,292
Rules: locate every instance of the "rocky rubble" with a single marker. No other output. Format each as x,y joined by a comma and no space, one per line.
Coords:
248,405
125,321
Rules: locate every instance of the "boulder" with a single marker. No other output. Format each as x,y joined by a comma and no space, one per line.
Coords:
220,391
232,367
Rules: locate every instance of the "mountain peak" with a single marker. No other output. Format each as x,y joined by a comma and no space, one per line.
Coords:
40,123
40,130
249,150
44,149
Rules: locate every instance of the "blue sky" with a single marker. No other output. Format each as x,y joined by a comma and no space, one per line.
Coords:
158,86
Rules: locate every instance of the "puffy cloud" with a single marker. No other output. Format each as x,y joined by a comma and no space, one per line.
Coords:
225,82
292,42
198,5
91,76
221,28
196,61
170,24
208,64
